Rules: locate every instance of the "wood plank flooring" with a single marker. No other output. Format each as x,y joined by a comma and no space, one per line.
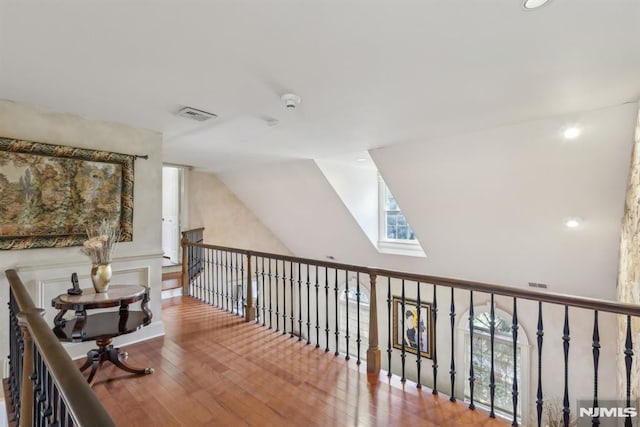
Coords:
213,369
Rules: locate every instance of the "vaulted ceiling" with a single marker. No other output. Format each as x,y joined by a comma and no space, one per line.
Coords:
450,97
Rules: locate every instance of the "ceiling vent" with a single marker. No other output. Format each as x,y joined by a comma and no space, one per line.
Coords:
197,115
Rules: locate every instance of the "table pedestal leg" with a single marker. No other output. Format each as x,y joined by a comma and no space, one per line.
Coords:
107,352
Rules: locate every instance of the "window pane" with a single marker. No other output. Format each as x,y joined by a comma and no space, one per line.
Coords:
391,204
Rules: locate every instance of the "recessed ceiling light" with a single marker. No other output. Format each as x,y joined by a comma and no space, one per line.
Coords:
361,159
534,4
572,132
572,222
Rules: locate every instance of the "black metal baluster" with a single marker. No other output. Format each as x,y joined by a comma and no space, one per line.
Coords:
292,317
284,298
472,376
628,359
565,345
258,294
358,339
514,390
264,301
317,285
596,359
492,374
404,332
346,300
277,277
335,290
452,370
231,283
389,327
435,341
216,276
210,275
326,307
418,342
270,299
299,302
242,280
539,335
308,307
226,281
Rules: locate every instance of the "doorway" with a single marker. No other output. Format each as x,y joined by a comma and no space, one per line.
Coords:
171,185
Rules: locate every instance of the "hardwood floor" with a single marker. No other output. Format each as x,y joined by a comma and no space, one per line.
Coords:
213,369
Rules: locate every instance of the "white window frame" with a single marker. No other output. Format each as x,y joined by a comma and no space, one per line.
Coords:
393,246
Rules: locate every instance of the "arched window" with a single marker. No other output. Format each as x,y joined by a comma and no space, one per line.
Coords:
502,363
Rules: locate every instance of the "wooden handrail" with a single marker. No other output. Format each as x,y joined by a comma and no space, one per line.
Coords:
80,401
510,291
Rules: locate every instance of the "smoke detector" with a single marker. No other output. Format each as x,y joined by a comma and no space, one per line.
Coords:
197,115
291,100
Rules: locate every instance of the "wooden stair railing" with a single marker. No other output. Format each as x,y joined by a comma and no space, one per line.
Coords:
46,387
228,277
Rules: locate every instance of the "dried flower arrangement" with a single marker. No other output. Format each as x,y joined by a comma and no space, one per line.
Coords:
101,243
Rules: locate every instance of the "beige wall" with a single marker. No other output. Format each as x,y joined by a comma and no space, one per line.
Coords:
227,221
629,268
46,272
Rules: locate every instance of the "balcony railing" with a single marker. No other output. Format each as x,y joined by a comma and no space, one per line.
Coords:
45,386
433,328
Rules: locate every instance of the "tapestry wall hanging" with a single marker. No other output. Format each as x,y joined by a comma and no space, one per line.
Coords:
49,193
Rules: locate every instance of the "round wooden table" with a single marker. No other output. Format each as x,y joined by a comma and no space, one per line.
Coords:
102,327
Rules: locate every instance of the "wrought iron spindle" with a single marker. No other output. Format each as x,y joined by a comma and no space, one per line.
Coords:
292,317
231,283
389,328
565,346
346,300
452,370
270,299
216,275
308,307
418,342
472,376
258,294
335,290
628,360
299,302
317,286
358,340
277,277
264,301
435,341
210,275
226,281
596,359
404,332
514,389
284,297
539,335
492,374
242,281
326,308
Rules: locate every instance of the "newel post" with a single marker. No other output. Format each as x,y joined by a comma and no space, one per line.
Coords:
373,352
26,387
185,265
249,309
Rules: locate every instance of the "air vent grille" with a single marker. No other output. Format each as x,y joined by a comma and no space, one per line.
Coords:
197,115
538,285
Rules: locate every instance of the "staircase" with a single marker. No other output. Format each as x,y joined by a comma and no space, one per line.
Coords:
171,279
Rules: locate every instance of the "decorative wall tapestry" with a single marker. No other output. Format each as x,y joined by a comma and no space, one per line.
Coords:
50,193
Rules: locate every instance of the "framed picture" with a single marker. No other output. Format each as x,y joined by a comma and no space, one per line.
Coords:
413,327
51,193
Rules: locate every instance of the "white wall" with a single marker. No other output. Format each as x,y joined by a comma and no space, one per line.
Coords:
46,272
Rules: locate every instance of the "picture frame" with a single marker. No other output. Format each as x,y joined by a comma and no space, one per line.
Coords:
52,193
417,329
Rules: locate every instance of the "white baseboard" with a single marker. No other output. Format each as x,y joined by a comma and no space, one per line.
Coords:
5,367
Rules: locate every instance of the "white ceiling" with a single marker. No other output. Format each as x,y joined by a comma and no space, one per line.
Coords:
370,73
